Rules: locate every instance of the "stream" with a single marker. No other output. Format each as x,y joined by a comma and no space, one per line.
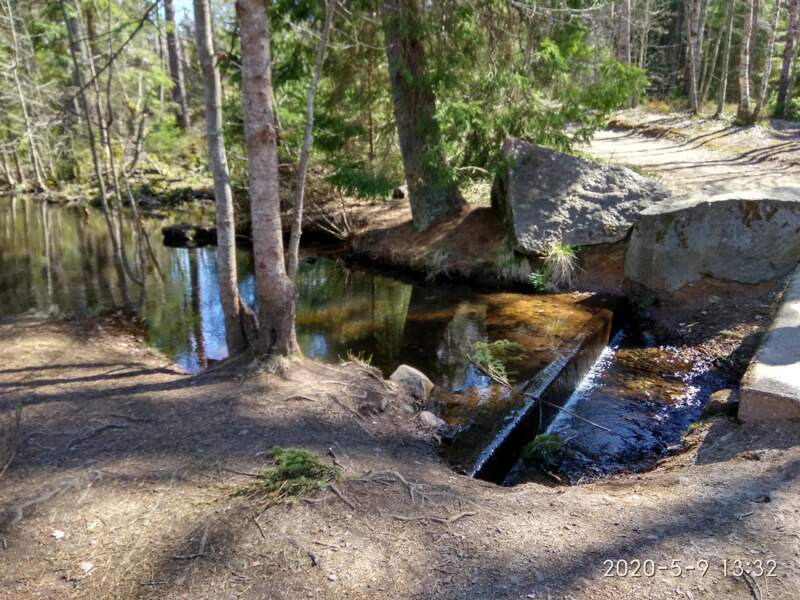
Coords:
58,261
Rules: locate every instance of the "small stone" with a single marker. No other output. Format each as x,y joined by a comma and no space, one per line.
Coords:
722,403
428,419
332,576
414,380
58,534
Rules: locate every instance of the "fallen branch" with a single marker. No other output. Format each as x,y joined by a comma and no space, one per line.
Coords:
260,529
584,419
436,518
341,496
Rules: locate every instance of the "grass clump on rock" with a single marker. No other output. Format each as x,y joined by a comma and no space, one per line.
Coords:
491,358
547,451
297,472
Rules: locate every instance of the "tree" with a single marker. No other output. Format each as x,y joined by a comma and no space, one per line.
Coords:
176,65
226,230
767,70
743,112
730,12
293,256
275,290
432,190
788,54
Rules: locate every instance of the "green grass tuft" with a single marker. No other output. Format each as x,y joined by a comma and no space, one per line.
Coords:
297,472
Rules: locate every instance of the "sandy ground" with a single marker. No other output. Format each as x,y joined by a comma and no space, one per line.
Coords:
696,156
122,489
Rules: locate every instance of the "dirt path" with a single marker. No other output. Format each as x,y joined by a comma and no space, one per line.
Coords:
122,489
693,163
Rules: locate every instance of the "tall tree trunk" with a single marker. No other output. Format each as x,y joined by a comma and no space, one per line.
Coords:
767,71
645,35
226,223
624,32
293,256
743,113
276,292
788,53
730,13
432,190
692,15
176,64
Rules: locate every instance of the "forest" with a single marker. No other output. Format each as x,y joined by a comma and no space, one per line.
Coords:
423,299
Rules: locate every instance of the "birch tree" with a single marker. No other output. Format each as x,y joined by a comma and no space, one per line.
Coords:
308,140
226,224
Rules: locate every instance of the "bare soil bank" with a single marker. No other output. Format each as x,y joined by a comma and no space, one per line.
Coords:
122,488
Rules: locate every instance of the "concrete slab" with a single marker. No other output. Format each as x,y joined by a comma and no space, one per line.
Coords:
770,388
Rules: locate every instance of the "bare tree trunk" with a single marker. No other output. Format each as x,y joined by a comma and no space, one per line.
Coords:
730,13
793,76
788,53
6,172
624,32
743,113
227,274
18,167
276,292
293,256
36,166
432,190
692,12
176,65
767,71
645,35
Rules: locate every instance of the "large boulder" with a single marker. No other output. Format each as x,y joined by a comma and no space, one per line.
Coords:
544,194
746,237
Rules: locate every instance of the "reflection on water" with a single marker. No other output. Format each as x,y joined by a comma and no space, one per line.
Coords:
60,260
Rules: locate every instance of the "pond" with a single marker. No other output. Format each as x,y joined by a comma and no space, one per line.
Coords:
58,260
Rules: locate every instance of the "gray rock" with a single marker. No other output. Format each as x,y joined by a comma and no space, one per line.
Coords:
545,194
414,380
185,235
722,402
770,388
428,419
746,237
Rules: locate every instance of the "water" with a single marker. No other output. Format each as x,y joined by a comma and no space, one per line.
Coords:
59,260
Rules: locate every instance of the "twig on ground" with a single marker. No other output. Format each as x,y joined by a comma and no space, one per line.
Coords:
82,438
751,582
260,529
341,496
436,518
